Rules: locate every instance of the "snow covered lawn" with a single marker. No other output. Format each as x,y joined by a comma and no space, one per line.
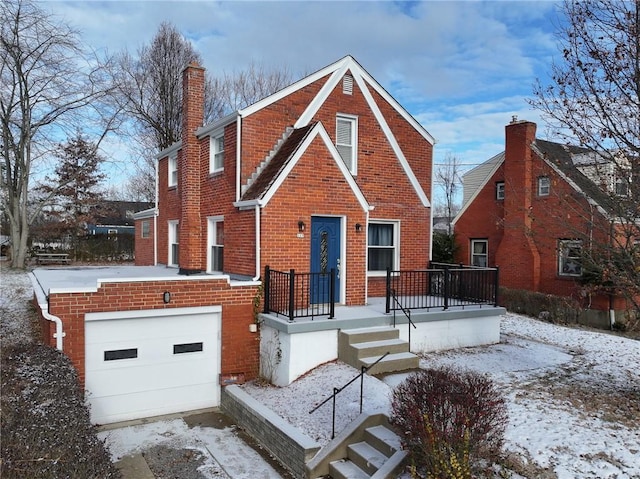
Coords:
573,398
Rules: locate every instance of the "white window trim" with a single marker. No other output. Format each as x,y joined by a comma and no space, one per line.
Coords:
500,190
172,165
547,190
353,168
472,249
174,238
211,239
396,243
563,246
212,151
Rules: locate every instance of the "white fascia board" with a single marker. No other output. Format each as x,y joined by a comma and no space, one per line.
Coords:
318,130
144,214
464,208
571,183
292,88
169,150
215,125
248,204
392,140
394,103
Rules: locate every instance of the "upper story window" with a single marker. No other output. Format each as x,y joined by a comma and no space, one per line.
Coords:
500,190
480,252
173,169
174,240
382,246
216,162
347,85
544,186
622,187
570,257
347,140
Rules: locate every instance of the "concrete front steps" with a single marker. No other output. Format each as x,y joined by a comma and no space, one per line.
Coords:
366,449
364,346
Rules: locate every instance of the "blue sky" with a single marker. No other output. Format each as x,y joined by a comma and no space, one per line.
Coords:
461,68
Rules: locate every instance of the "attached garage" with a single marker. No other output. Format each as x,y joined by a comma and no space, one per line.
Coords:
152,362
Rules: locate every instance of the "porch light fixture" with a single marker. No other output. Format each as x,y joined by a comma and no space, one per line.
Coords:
300,226
166,296
358,227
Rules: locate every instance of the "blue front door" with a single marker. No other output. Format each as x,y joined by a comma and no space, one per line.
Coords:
325,255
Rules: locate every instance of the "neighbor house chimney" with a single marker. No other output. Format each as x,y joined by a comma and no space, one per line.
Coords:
191,253
517,254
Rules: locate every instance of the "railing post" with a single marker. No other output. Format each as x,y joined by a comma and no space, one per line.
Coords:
267,289
388,299
496,286
292,291
332,293
333,419
445,287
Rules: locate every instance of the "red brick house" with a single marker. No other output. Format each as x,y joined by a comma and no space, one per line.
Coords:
531,210
329,174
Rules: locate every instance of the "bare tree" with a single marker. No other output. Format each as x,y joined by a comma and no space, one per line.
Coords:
593,100
149,86
447,178
48,85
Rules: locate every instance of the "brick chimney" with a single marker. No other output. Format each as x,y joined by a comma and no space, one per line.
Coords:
517,254
191,252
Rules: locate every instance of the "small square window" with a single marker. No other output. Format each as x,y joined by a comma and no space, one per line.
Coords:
500,190
544,186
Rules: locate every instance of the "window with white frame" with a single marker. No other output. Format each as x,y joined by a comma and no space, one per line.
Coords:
480,252
173,169
347,140
621,187
500,190
174,240
146,229
217,153
570,257
382,246
544,186
216,244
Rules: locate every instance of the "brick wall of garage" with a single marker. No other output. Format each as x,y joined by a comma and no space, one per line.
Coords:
240,347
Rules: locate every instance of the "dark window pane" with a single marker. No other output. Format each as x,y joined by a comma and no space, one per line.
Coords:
116,354
380,259
187,348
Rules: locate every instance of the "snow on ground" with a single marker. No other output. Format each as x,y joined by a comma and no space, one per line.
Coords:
573,396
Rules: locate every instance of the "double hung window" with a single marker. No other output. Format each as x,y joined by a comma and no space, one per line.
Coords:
347,140
216,244
382,247
570,258
173,169
217,153
480,252
174,240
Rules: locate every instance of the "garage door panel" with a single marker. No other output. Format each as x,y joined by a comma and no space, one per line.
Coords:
110,409
155,365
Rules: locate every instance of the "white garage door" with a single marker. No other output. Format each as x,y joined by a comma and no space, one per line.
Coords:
156,362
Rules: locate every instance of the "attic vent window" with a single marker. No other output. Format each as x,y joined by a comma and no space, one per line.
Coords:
347,85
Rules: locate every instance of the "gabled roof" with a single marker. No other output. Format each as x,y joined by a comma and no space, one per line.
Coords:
478,178
279,167
561,158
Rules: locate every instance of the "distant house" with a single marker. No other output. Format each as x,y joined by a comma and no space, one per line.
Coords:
115,217
524,210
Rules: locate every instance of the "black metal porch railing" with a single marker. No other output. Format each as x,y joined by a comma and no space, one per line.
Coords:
299,295
442,286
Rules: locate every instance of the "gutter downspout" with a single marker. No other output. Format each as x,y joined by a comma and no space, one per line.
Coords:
155,217
258,272
43,303
238,157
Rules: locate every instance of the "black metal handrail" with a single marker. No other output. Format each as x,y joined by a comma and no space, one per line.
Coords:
298,295
444,287
407,313
336,391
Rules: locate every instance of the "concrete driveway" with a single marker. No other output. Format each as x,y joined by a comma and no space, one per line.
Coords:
198,445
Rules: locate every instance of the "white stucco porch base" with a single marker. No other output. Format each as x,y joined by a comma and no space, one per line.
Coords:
290,349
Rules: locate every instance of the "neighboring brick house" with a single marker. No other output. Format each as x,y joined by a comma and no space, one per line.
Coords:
331,156
328,173
528,210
